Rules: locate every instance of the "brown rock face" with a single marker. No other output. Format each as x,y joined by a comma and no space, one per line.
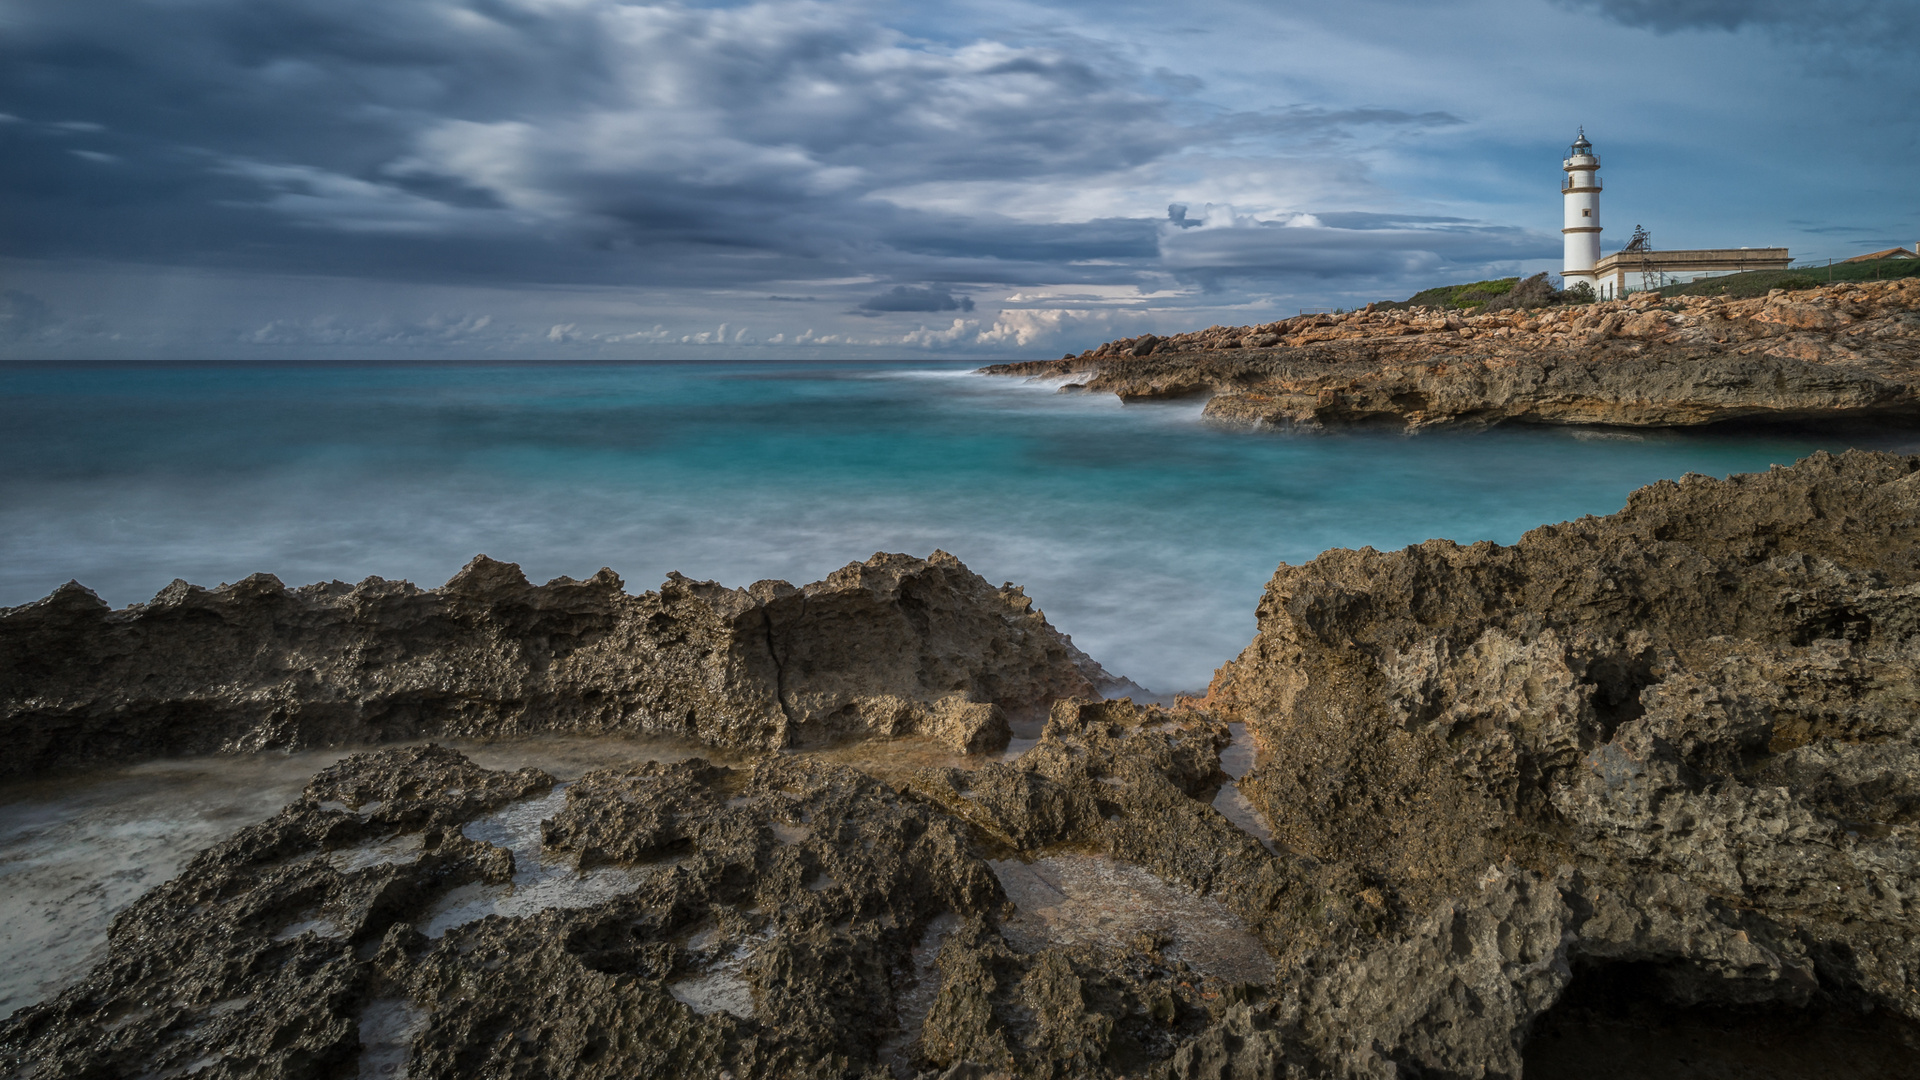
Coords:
359,935
1844,351
891,646
1695,718
1660,768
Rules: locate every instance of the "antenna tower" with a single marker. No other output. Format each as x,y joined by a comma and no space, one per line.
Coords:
1642,244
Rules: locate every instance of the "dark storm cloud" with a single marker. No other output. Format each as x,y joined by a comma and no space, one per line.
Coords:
916,298
1309,120
1308,245
1025,247
493,139
22,315
587,141
1872,25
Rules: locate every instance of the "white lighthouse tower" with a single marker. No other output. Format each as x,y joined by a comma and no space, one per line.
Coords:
1581,193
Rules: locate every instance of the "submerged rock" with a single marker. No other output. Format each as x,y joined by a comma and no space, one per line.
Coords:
892,646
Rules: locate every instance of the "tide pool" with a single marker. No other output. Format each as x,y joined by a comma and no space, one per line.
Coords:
1144,532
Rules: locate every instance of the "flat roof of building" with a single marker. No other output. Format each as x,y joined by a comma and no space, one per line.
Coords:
1698,259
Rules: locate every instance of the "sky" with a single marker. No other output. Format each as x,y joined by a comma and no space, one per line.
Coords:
844,179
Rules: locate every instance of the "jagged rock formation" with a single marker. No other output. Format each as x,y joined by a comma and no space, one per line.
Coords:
890,646
1675,751
306,946
1683,737
1848,350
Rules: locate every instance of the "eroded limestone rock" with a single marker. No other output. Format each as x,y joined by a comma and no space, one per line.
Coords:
1695,718
1670,753
895,645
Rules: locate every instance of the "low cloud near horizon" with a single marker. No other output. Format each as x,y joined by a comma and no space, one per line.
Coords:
605,179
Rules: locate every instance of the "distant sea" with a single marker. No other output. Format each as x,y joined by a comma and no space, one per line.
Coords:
1141,530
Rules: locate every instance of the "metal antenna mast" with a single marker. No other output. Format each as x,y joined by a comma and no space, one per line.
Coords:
1642,243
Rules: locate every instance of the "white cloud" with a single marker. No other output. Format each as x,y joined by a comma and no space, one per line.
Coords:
637,172
1022,327
951,335
335,330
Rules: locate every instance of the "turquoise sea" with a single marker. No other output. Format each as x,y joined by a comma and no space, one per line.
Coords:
1141,530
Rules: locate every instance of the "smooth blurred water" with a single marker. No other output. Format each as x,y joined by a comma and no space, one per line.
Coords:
1144,532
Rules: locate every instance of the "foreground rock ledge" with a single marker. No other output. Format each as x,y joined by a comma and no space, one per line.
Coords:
1843,352
1682,741
1665,763
892,646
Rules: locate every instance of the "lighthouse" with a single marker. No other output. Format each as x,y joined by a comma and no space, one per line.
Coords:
1581,193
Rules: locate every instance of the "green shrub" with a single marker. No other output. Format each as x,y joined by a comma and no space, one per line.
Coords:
1472,294
1535,292
1760,282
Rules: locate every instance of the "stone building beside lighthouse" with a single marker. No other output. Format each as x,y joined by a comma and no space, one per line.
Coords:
1638,265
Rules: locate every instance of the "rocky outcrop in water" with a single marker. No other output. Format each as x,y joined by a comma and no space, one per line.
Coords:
890,646
1647,782
1843,351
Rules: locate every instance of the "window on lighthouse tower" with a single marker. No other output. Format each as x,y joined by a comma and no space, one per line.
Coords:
1586,213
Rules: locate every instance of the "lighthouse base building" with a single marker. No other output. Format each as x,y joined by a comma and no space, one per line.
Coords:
1624,272
1637,266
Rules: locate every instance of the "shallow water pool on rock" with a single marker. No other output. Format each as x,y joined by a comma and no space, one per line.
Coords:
1097,901
387,1030
541,880
77,849
1236,760
720,984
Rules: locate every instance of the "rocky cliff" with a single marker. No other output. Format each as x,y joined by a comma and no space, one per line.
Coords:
1846,351
890,646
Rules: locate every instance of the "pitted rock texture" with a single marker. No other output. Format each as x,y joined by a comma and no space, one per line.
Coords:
785,919
1845,351
1671,754
226,971
1696,719
891,646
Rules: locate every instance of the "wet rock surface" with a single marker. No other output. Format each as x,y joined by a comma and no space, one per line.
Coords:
893,646
1844,351
1635,795
787,917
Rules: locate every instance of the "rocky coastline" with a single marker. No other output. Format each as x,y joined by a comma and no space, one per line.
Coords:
892,646
1654,773
1846,352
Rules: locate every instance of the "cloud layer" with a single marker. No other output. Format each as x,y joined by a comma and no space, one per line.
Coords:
802,170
